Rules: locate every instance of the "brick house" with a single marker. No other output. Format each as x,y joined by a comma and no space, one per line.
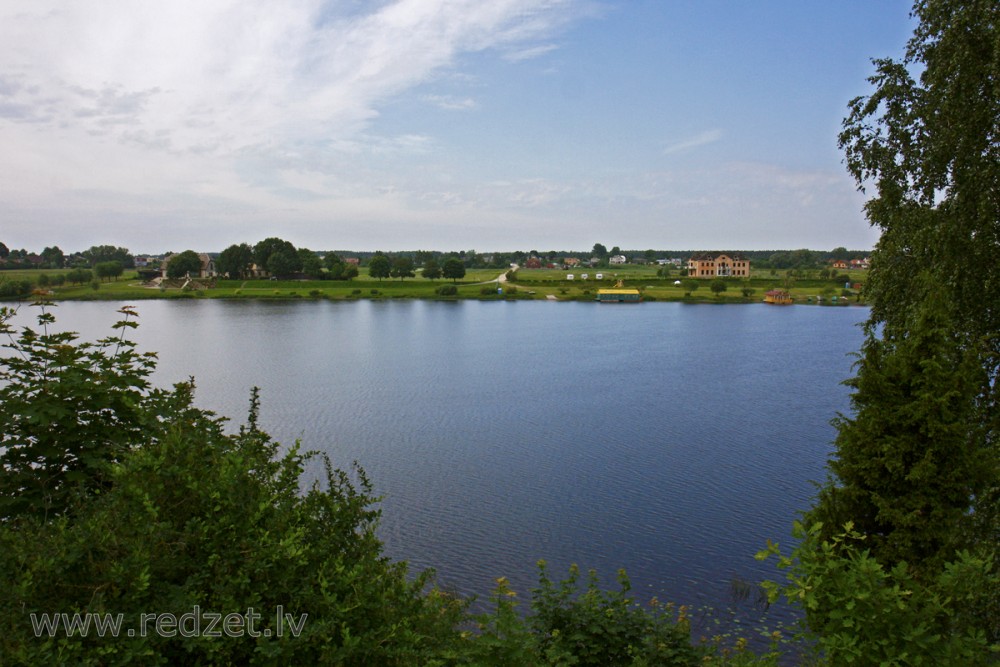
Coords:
718,265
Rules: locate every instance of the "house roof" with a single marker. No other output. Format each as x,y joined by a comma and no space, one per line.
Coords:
712,256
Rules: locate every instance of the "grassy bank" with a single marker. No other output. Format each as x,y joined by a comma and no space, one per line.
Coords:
546,284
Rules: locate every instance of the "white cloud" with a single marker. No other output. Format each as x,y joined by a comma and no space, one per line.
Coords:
143,95
197,123
529,52
450,102
701,139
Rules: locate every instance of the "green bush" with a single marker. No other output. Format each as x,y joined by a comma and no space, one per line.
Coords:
446,290
861,612
145,504
14,288
588,627
50,454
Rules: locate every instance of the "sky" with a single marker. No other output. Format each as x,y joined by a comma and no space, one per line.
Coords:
492,125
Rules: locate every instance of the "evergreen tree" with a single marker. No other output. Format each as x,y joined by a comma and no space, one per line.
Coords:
929,146
916,470
910,461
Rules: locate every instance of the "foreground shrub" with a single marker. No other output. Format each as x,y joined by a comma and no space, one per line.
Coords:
589,626
173,516
858,611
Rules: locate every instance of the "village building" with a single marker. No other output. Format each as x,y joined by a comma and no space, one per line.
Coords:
207,266
718,265
207,269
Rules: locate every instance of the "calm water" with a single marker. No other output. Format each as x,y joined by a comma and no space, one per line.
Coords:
672,440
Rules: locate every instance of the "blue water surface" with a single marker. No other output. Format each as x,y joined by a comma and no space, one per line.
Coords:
668,439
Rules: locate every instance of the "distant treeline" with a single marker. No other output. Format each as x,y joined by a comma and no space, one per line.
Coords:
55,258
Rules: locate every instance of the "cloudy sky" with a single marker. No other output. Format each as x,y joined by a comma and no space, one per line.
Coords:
439,124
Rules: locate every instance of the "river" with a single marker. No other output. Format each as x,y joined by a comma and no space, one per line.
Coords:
668,439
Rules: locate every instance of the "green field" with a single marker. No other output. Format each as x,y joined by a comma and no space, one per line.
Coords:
549,284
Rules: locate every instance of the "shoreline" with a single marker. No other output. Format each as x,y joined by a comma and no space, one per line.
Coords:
841,302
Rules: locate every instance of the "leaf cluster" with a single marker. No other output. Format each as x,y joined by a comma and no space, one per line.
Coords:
69,411
858,611
574,625
134,501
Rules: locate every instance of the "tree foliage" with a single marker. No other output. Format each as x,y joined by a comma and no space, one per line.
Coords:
930,149
235,261
402,267
910,459
69,411
183,264
379,266
107,253
112,269
873,614
121,499
310,263
342,271
54,257
263,250
284,261
453,269
79,276
431,270
14,288
915,475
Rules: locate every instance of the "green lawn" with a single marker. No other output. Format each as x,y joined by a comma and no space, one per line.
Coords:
529,284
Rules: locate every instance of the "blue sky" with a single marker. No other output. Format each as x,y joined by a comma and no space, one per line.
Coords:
438,124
